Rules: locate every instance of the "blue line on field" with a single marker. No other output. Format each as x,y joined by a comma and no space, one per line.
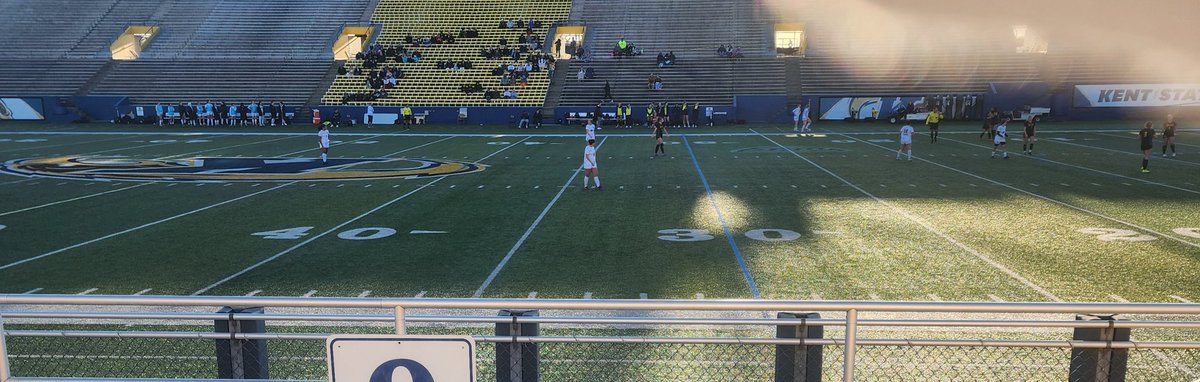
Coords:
724,225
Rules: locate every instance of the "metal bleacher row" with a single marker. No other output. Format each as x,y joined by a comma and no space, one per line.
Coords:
693,30
148,81
424,84
49,30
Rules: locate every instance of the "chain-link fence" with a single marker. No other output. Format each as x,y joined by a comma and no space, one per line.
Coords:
304,359
523,346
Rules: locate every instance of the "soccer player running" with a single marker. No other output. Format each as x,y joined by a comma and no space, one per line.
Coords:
1000,140
1147,138
1030,136
906,135
934,118
659,132
323,141
589,165
1169,136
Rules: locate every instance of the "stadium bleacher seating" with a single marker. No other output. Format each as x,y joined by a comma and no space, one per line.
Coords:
425,85
282,29
147,81
914,74
693,30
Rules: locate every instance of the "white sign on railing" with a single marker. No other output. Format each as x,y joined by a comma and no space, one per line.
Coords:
365,358
1137,95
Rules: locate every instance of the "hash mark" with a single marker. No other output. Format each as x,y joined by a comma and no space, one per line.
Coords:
310,293
643,296
1064,185
587,296
254,292
89,291
364,293
995,298
699,296
935,297
1033,184
1127,184
1181,299
32,291
1096,184
874,296
532,295
1117,298
816,296
143,291
420,294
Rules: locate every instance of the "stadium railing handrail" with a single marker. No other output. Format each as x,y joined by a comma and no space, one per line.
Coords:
399,306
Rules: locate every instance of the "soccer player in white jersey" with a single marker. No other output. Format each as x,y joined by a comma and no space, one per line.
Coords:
796,118
906,135
1000,141
323,142
589,165
805,121
590,130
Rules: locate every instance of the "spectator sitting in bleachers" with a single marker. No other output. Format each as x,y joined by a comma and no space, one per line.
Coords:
509,94
622,49
472,88
468,33
730,51
665,59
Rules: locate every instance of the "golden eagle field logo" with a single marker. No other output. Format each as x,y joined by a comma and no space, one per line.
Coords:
235,169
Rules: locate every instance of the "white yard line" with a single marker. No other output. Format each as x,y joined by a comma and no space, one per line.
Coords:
73,199
134,229
334,229
1048,199
1137,154
1072,166
529,231
929,227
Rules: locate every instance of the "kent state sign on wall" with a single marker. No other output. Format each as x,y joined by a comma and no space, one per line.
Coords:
1137,95
365,358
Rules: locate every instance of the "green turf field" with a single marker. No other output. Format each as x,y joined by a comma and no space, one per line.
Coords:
734,212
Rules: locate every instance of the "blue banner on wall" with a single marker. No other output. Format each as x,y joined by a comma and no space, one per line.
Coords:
21,109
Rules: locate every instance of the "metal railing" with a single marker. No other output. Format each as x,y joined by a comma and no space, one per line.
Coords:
678,354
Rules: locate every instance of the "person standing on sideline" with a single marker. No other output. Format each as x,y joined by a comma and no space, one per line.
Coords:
524,124
1147,138
323,141
589,130
628,115
161,114
1030,136
620,115
1000,140
683,113
796,118
1169,135
696,114
589,165
934,118
370,115
597,115
805,121
557,48
906,135
659,132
